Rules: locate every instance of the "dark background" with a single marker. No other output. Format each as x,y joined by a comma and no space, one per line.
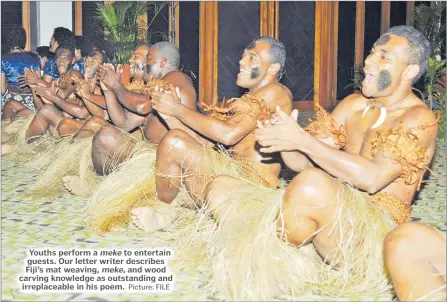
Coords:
238,24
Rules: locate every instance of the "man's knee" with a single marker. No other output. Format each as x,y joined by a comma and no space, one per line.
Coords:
402,239
13,106
172,141
307,186
95,122
106,138
67,126
46,111
218,186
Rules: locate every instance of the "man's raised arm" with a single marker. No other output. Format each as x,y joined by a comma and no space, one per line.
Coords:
135,102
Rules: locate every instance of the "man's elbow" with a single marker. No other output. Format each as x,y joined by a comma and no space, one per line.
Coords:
83,114
230,139
371,185
143,109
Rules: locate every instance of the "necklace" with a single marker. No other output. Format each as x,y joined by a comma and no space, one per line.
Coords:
383,112
382,115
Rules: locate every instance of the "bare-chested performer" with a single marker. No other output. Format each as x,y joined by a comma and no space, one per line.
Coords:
181,158
60,100
130,109
61,168
90,93
415,256
380,142
92,97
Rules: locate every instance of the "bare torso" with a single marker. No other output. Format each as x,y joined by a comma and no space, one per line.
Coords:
154,127
360,138
248,148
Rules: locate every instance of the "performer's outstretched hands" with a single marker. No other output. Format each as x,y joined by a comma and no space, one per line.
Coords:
166,102
281,133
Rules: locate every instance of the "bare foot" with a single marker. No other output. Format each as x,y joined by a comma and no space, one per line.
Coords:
150,220
73,185
6,149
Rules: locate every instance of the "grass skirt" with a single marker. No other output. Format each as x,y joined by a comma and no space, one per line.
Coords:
69,157
249,261
133,185
129,186
14,134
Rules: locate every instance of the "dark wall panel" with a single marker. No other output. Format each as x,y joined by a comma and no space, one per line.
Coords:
238,26
346,48
189,15
297,32
159,29
90,24
73,13
398,13
372,24
11,15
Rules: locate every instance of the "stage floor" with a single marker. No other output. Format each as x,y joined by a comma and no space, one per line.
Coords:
58,224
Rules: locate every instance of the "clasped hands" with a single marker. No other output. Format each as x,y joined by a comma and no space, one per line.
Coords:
282,133
47,93
167,102
109,76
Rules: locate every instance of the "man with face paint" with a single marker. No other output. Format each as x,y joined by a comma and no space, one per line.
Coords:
359,168
130,110
261,67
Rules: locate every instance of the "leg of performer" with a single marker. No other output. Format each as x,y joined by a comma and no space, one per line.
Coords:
415,256
47,116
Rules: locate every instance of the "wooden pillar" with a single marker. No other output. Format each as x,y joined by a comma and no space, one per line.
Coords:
208,52
26,23
177,22
326,40
410,13
334,52
78,18
269,21
385,17
359,32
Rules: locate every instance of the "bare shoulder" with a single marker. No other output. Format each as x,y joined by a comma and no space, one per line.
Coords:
178,78
187,90
418,116
352,102
348,106
276,94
